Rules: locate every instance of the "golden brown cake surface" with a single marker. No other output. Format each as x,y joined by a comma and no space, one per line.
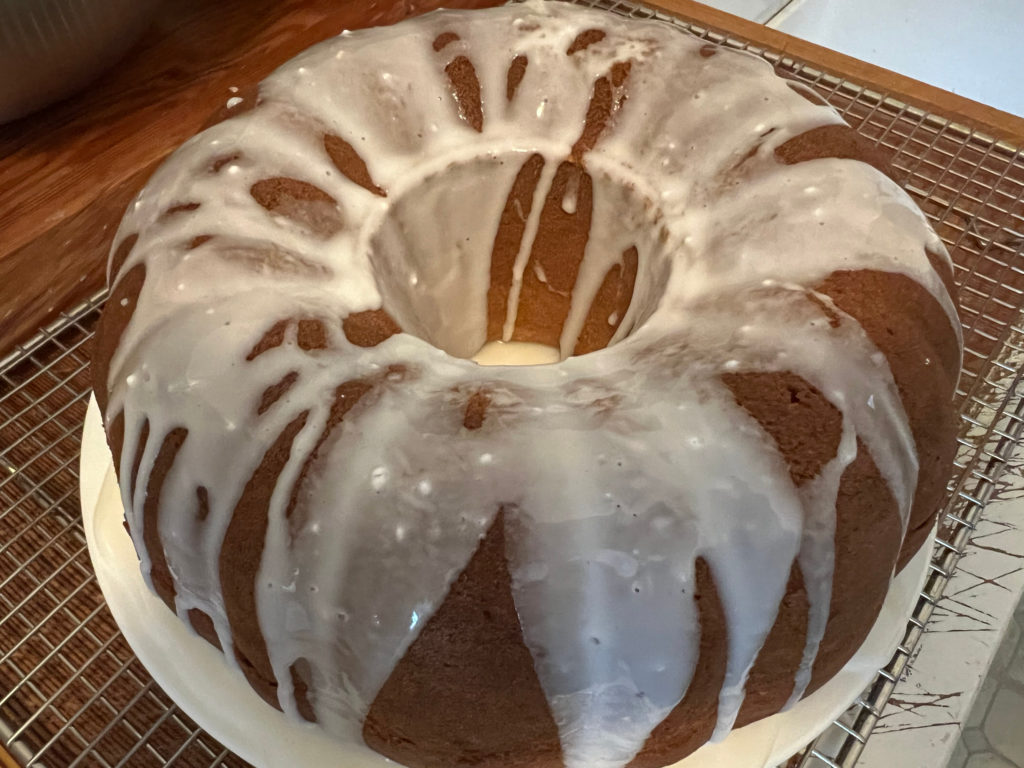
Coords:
685,525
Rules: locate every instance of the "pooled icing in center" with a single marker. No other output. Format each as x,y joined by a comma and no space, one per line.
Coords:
515,353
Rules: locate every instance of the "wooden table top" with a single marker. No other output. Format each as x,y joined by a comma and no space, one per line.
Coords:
67,172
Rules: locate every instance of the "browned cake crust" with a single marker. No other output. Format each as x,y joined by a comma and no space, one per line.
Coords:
474,646
903,320
466,693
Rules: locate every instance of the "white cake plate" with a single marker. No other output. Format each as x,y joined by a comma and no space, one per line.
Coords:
196,676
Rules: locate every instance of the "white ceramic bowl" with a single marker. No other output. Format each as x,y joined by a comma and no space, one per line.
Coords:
51,48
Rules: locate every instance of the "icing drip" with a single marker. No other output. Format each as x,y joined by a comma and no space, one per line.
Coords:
616,470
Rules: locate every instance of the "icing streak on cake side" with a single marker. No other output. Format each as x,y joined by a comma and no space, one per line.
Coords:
638,547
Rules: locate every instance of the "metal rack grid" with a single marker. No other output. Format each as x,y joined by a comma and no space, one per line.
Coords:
72,693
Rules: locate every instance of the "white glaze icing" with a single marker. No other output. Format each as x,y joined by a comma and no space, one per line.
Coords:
606,507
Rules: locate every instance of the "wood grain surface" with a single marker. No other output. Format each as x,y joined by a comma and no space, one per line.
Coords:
67,173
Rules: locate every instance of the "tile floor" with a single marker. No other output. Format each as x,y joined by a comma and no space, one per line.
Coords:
993,733
970,48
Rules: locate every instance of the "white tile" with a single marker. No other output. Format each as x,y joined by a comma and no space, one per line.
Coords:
1003,726
755,10
1016,668
914,747
980,707
1007,649
920,728
975,740
959,756
988,760
970,48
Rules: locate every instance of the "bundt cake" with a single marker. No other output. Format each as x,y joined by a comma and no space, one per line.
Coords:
687,523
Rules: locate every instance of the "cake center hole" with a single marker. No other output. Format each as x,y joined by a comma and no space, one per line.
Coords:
520,259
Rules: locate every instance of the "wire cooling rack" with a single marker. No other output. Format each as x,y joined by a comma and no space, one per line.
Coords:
71,691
